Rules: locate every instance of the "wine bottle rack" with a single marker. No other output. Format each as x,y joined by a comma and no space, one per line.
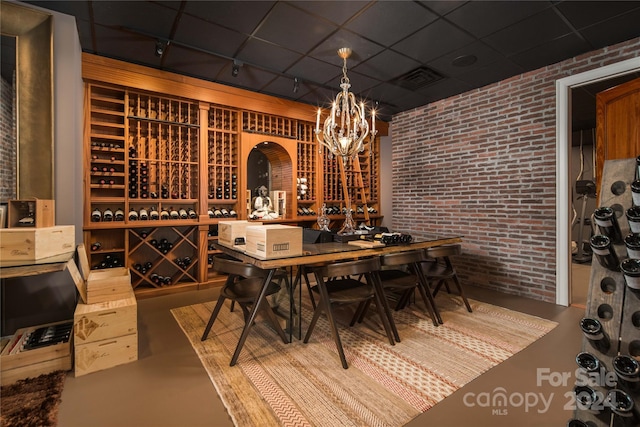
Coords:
610,302
307,163
162,147
165,261
223,155
268,124
107,142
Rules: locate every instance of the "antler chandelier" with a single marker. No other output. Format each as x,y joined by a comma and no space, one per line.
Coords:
345,130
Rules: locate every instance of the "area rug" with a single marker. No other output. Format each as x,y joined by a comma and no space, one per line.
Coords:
297,384
32,402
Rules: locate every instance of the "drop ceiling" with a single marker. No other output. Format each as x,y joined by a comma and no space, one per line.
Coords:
405,53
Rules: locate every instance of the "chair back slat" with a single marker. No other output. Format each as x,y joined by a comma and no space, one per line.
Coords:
444,251
403,258
349,268
237,268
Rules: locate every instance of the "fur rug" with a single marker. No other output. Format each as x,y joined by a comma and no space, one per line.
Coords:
32,402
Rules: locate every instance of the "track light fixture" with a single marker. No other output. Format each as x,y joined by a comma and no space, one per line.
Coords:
235,69
160,47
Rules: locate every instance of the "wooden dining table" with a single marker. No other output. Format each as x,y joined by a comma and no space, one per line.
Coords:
314,253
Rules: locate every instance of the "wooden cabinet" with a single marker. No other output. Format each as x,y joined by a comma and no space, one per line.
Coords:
166,158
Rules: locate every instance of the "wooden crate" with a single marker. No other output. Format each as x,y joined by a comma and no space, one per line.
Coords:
229,231
108,285
105,354
274,241
95,322
17,365
36,245
44,212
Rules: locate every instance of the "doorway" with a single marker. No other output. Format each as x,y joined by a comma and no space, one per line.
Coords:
564,182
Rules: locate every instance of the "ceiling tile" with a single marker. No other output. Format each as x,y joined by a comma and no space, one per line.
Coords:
318,97
248,77
135,15
393,21
79,9
337,12
551,52
443,8
483,53
360,83
193,63
529,33
495,72
362,49
242,16
125,46
613,31
386,65
205,35
479,17
284,21
584,13
273,57
314,70
283,87
444,89
433,41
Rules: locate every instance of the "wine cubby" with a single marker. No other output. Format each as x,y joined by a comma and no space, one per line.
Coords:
268,124
610,327
167,252
164,158
307,164
223,151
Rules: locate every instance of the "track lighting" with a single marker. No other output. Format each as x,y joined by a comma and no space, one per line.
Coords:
160,47
235,69
296,85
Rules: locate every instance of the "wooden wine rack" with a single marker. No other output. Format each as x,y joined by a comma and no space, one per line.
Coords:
156,142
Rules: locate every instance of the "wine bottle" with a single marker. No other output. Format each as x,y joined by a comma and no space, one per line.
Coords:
96,246
107,215
192,214
144,215
174,213
608,223
96,215
605,253
183,214
119,215
164,214
133,215
154,215
593,331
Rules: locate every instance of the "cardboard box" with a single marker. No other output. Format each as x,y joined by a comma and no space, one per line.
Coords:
229,231
105,354
43,212
111,319
108,284
17,364
274,241
36,245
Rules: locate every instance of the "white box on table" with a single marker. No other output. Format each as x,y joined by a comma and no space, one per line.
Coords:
274,241
229,231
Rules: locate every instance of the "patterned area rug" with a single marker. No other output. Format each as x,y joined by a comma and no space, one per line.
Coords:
276,384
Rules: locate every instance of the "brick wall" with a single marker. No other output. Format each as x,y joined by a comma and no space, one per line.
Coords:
7,143
482,165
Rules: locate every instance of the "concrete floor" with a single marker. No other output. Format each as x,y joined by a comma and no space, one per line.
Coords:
168,386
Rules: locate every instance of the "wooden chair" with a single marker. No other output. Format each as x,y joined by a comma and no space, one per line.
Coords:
403,276
336,287
243,285
440,270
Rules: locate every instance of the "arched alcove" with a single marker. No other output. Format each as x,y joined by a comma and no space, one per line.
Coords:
270,164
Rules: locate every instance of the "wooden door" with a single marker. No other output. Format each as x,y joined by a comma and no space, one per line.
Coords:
617,124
